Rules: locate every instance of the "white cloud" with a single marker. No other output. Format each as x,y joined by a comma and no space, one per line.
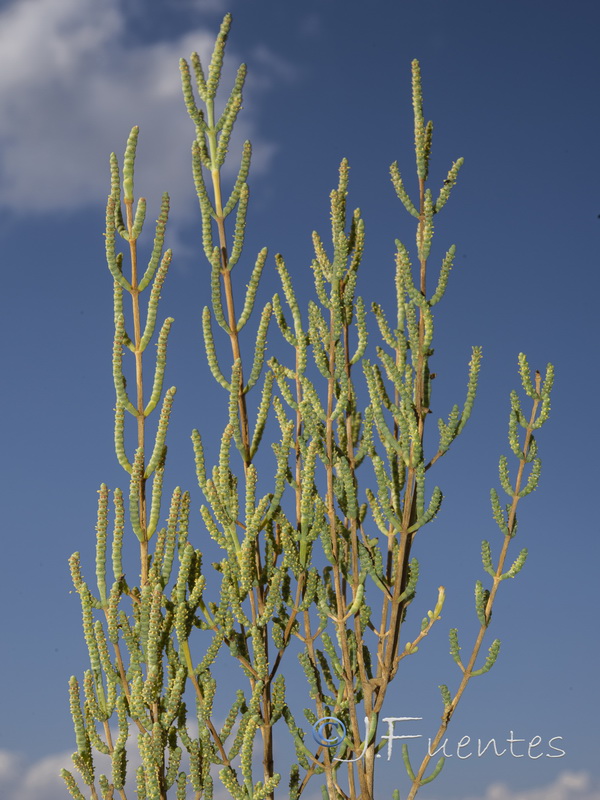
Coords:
38,781
567,786
71,88
9,767
41,780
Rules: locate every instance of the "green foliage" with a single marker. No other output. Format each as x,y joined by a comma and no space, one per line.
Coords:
306,556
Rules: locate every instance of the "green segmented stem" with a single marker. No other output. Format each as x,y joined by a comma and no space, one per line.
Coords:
268,518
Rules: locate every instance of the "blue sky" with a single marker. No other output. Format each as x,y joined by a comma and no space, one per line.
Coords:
513,88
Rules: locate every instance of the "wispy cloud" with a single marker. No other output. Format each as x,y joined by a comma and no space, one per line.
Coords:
220,6
72,84
311,26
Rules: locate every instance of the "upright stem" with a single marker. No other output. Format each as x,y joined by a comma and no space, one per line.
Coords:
389,646
141,419
257,603
468,670
226,275
339,588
